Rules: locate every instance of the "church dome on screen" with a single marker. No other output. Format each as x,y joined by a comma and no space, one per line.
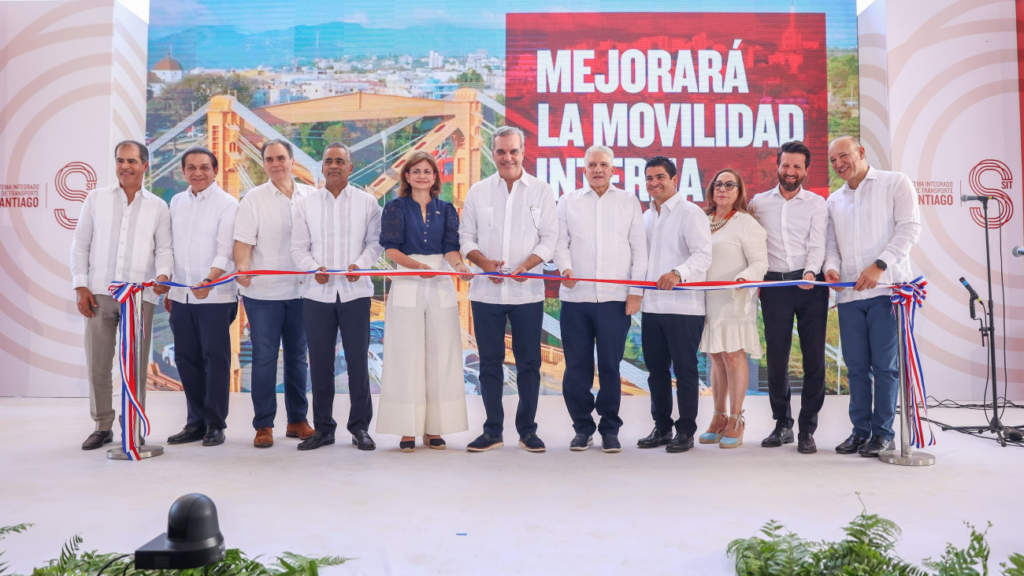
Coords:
168,69
168,64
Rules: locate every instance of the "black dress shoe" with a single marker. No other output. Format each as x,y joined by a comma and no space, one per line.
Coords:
876,445
97,439
610,443
851,444
532,443
805,443
187,434
317,440
655,438
681,443
778,437
581,442
362,440
485,442
214,436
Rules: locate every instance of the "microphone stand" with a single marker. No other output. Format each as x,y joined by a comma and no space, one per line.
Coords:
995,425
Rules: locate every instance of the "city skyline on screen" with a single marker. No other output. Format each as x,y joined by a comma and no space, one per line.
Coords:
221,34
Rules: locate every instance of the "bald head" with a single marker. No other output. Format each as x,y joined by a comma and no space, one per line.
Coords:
846,155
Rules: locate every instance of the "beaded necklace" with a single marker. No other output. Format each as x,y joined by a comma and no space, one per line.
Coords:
716,226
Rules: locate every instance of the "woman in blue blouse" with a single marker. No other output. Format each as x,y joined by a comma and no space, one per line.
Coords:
422,386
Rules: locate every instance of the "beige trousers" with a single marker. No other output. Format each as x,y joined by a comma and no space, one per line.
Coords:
422,388
100,355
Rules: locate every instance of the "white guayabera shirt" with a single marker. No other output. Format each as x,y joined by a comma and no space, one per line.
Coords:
118,241
509,226
678,238
202,227
601,237
880,220
264,221
334,233
796,229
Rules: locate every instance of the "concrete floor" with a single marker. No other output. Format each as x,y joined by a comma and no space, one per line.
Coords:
637,512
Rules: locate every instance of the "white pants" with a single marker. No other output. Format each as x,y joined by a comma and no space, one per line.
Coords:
422,387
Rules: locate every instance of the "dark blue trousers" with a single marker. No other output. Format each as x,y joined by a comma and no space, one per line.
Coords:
584,326
868,330
323,322
489,322
670,341
276,324
202,353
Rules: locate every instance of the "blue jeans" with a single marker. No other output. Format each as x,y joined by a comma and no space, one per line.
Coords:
868,330
271,324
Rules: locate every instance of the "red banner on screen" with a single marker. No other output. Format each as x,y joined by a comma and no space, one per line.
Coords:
708,90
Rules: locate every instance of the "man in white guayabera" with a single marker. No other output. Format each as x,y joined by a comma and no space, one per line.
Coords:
123,234
873,222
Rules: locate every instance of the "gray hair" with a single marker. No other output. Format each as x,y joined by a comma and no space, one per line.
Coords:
341,146
143,151
508,131
598,148
287,146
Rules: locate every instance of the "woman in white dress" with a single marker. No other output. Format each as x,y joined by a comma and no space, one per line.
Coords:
422,389
739,253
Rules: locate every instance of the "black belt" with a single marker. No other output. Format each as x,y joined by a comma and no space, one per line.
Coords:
779,276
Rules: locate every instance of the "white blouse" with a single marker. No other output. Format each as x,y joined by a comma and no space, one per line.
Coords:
738,250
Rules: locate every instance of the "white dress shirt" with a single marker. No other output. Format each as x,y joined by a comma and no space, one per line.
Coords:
509,226
880,220
202,226
264,221
795,227
601,237
678,238
118,241
335,233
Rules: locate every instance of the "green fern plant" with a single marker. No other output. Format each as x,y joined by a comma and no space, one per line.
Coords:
969,561
868,549
73,562
4,531
778,552
1015,567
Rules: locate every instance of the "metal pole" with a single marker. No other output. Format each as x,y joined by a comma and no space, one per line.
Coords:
905,456
140,385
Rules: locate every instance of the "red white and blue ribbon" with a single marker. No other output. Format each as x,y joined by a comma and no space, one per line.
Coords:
131,318
642,284
906,299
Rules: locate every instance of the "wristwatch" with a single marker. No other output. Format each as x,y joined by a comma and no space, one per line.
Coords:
207,280
881,264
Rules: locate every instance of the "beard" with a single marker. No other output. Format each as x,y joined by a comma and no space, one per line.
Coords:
790,187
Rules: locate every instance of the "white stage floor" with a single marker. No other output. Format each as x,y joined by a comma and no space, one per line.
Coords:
637,512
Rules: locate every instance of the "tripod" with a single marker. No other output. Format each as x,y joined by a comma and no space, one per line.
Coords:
989,331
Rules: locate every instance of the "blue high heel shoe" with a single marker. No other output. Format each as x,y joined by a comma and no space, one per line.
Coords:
713,437
727,442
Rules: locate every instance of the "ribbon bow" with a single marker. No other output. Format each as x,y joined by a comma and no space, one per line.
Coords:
131,317
906,299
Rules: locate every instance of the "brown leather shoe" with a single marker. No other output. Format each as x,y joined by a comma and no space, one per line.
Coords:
264,438
300,430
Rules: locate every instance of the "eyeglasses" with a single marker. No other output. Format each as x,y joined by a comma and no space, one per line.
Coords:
728,186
